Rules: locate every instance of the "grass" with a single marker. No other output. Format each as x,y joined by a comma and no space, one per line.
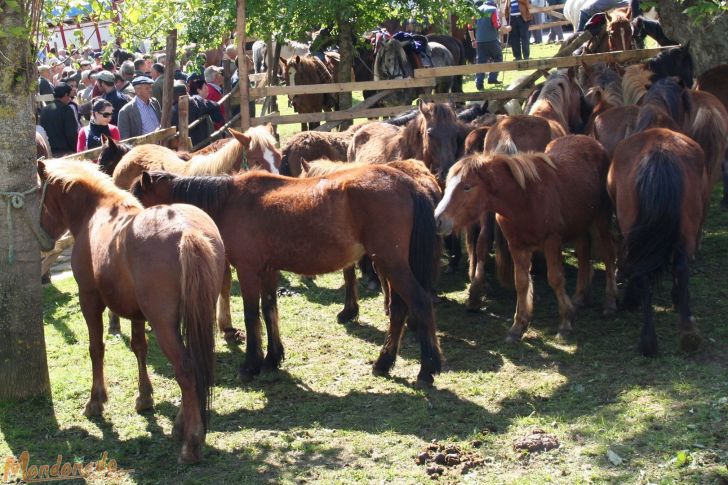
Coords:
325,418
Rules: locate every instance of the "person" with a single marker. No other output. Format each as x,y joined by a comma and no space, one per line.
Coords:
105,80
139,67
124,78
591,7
90,136
59,121
518,16
214,80
199,107
196,85
141,115
486,40
538,19
157,75
45,86
556,33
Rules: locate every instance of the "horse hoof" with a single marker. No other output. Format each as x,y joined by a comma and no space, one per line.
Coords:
234,336
565,335
345,316
178,432
372,285
473,305
609,309
188,455
93,409
648,348
450,269
247,373
383,365
144,403
513,338
425,380
690,341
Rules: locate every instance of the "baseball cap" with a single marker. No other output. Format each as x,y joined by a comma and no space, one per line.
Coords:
105,76
139,80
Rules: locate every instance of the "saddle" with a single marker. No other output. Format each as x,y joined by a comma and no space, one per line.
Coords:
417,49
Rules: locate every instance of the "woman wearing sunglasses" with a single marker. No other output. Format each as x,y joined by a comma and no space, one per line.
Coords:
90,136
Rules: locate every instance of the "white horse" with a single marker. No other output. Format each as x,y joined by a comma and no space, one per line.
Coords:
572,11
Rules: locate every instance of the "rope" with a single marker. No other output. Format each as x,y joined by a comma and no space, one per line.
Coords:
16,200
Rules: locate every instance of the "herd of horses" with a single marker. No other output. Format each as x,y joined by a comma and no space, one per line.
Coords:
157,231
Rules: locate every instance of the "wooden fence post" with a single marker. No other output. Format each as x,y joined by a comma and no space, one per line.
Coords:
183,112
168,89
243,83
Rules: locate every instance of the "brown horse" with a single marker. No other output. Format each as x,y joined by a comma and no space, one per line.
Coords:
255,147
416,170
604,90
715,82
42,148
161,265
560,103
659,187
301,70
615,35
314,145
541,201
313,226
434,136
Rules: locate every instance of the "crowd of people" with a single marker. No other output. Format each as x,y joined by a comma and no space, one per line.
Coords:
93,97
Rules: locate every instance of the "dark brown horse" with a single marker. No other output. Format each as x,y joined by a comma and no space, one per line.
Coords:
659,187
314,145
560,103
301,70
715,82
541,201
162,265
313,226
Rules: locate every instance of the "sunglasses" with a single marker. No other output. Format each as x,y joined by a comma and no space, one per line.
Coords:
106,115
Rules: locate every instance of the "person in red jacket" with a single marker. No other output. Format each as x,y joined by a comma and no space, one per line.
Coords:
90,136
215,79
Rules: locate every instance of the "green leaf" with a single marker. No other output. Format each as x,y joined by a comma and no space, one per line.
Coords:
682,459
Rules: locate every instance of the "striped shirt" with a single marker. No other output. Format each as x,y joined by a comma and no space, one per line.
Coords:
515,10
150,122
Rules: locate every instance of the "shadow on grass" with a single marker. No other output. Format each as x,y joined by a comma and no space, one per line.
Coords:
53,298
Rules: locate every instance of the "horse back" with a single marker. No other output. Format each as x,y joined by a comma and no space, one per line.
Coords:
525,133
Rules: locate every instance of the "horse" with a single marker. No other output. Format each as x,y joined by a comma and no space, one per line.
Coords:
541,201
301,70
42,147
714,81
314,145
560,103
162,265
256,148
392,62
643,27
419,173
603,86
435,136
312,226
456,48
659,187
675,61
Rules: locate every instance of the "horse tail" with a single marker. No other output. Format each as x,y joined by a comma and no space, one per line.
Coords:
506,145
653,237
423,259
197,310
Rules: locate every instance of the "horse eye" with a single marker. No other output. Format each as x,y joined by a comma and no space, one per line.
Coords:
466,188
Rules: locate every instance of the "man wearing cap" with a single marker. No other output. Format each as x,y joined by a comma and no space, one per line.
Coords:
214,79
141,115
45,86
105,80
59,121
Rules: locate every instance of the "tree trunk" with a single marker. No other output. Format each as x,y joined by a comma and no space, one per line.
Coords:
708,42
23,365
346,59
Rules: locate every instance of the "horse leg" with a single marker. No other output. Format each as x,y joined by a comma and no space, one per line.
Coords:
404,286
524,294
369,275
188,423
250,288
233,336
114,324
478,285
690,338
557,282
139,345
388,354
608,254
455,252
648,339
93,309
270,314
582,296
351,305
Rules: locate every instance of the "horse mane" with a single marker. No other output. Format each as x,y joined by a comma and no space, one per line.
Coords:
554,93
324,166
209,193
522,166
668,96
313,70
608,84
221,161
260,137
675,61
80,172
635,82
412,134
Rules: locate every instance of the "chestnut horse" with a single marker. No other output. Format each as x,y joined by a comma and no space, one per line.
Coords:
255,147
715,82
162,265
541,201
314,145
659,187
318,225
560,103
301,70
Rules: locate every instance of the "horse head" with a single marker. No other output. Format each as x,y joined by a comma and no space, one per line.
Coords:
111,154
438,127
262,151
391,61
619,31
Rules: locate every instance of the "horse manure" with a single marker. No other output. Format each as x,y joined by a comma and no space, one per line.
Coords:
537,440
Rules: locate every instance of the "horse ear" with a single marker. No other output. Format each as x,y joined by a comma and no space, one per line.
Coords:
145,180
298,59
241,137
571,72
305,166
269,127
421,105
41,169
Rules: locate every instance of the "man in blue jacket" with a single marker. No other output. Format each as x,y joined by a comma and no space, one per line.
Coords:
487,40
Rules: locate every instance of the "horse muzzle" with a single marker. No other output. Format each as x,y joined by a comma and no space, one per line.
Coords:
444,225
